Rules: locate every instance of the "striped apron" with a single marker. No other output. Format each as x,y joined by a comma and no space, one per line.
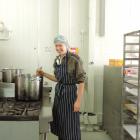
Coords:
66,122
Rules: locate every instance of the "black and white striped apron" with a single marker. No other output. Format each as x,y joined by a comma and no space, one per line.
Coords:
66,122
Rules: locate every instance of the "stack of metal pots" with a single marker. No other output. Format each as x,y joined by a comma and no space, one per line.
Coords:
8,75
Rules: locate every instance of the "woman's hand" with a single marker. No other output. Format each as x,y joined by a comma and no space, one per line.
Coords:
77,105
40,72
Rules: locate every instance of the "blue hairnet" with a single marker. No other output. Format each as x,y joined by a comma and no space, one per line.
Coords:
61,39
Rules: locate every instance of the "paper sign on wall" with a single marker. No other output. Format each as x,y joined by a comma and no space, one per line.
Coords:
74,50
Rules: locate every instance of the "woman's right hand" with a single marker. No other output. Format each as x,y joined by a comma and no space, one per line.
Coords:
40,72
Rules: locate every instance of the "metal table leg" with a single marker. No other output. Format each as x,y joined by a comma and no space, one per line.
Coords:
45,136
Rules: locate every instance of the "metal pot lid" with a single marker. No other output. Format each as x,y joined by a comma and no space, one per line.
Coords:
11,69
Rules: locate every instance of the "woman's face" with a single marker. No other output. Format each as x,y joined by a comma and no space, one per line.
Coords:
61,49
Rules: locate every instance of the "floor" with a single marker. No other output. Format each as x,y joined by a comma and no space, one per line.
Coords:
87,136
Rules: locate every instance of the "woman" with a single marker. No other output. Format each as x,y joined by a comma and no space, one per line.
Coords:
70,76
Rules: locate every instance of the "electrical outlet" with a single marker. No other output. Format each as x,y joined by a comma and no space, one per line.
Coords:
47,49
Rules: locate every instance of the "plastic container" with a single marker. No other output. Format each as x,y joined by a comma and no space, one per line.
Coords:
115,62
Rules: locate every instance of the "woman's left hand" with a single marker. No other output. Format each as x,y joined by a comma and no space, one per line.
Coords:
77,106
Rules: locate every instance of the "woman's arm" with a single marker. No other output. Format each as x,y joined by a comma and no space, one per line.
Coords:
80,78
80,92
46,75
50,77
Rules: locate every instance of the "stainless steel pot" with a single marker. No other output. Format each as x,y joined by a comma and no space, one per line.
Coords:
8,75
28,88
35,88
21,87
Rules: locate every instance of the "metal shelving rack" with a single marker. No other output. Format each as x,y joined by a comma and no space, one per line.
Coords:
131,87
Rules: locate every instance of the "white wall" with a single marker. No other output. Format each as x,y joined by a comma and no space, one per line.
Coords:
121,17
96,45
33,24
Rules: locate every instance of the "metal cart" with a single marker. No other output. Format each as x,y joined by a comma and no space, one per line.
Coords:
131,87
